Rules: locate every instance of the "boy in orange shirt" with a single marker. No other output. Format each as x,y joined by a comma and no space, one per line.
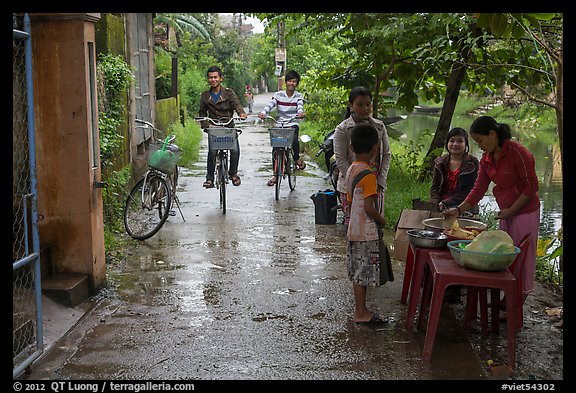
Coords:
363,235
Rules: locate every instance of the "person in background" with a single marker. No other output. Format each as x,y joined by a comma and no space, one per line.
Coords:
359,111
249,99
454,172
290,106
511,167
363,236
220,102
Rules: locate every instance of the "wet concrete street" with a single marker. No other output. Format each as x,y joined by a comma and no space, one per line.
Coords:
260,293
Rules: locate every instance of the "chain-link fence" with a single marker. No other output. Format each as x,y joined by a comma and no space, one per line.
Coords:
26,293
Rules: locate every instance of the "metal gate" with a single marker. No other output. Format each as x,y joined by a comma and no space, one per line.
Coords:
27,331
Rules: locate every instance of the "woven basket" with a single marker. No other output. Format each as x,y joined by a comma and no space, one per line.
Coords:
222,138
485,261
281,137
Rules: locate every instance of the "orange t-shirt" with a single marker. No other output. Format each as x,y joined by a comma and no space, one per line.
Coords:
361,227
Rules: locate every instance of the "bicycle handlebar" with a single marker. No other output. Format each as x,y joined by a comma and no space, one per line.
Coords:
323,149
219,121
150,125
284,121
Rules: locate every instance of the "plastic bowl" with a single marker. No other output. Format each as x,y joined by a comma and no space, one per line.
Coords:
484,261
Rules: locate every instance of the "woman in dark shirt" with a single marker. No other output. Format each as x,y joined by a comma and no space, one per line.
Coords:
454,173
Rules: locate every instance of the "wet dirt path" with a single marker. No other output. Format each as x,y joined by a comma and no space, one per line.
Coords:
258,293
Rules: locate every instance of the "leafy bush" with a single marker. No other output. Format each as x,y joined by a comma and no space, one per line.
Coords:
188,138
163,67
114,78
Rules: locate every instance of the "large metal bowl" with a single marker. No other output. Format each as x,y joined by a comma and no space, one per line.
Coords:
439,224
428,239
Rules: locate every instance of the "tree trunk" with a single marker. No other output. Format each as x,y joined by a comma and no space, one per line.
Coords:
376,98
452,91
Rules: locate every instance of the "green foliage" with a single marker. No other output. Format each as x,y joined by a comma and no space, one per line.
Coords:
163,73
402,188
409,157
334,100
115,77
113,198
191,85
183,23
549,251
529,119
188,138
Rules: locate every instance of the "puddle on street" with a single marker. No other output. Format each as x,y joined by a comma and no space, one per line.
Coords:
262,292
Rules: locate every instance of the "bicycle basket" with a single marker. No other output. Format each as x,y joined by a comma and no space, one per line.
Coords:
281,137
163,156
222,138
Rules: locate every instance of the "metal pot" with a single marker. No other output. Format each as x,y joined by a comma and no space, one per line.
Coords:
439,224
428,239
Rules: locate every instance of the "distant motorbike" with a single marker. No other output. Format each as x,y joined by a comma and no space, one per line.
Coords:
327,148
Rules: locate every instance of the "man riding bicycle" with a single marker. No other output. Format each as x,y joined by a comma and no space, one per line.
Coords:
290,105
216,103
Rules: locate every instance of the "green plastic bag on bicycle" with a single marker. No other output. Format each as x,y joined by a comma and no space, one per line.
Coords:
163,159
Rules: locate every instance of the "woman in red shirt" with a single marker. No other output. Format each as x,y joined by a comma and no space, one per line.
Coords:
511,167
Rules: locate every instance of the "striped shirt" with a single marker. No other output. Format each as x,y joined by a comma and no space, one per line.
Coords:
287,107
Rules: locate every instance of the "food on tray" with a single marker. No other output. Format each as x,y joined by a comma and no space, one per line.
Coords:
457,231
496,241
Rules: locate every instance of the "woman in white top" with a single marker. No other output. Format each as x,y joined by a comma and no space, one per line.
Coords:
359,111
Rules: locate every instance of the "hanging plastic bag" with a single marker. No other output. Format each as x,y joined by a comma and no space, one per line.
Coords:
163,159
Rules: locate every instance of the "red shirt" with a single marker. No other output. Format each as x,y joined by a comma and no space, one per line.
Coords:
514,173
451,181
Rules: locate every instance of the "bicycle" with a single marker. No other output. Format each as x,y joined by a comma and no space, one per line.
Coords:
221,139
281,138
150,201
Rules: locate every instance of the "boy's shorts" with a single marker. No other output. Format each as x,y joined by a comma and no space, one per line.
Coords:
364,263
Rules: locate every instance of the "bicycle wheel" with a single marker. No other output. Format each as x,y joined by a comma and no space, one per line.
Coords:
223,176
278,170
291,169
147,207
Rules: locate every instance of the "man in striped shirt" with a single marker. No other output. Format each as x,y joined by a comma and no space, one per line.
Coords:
289,105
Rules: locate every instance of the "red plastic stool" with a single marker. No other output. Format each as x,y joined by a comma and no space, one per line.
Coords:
445,271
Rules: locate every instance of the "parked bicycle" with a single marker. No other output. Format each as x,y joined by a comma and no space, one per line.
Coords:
284,165
150,201
221,139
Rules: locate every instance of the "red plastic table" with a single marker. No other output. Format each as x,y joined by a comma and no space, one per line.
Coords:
445,271
413,275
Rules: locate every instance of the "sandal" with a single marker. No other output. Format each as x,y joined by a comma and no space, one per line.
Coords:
375,320
208,184
235,180
300,164
272,181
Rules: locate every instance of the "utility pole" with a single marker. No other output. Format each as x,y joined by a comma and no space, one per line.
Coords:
280,56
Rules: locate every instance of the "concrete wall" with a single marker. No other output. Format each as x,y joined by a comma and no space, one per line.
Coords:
69,206
167,112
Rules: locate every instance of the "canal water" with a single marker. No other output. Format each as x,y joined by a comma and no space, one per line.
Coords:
547,156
